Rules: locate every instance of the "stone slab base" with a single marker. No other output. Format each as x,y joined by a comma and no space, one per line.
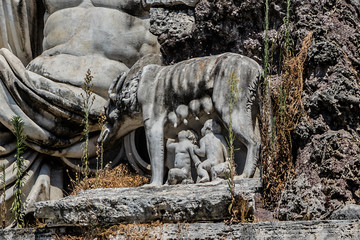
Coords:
302,230
178,203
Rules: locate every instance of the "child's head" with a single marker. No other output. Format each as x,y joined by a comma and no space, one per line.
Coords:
211,126
191,136
187,134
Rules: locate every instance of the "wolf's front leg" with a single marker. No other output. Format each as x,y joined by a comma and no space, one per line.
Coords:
155,143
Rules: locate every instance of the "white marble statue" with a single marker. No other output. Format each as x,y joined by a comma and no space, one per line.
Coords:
184,153
46,48
214,148
201,84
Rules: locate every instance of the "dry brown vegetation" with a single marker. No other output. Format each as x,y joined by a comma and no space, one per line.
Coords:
280,116
118,177
127,231
241,212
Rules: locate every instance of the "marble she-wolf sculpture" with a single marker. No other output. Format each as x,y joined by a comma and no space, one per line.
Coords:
163,90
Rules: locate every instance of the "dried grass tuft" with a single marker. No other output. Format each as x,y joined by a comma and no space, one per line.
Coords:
118,177
241,211
278,120
127,231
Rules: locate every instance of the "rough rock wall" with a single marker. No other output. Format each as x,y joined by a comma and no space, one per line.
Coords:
217,27
326,144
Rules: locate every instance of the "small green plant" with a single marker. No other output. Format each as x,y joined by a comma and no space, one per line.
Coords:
286,49
238,208
3,188
17,205
268,132
266,42
287,110
88,100
288,40
233,83
268,59
100,152
282,103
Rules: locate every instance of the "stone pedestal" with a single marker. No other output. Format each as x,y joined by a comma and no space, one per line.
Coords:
302,230
178,203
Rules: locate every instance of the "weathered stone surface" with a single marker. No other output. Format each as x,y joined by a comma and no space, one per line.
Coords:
348,212
332,230
303,230
220,26
171,23
328,173
328,142
179,203
18,234
154,3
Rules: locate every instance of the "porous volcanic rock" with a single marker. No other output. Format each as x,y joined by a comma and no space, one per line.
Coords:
327,142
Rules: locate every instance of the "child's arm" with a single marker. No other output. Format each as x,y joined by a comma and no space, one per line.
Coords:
171,144
201,151
193,156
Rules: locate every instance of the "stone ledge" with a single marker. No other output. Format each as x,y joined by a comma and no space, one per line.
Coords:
179,203
301,230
